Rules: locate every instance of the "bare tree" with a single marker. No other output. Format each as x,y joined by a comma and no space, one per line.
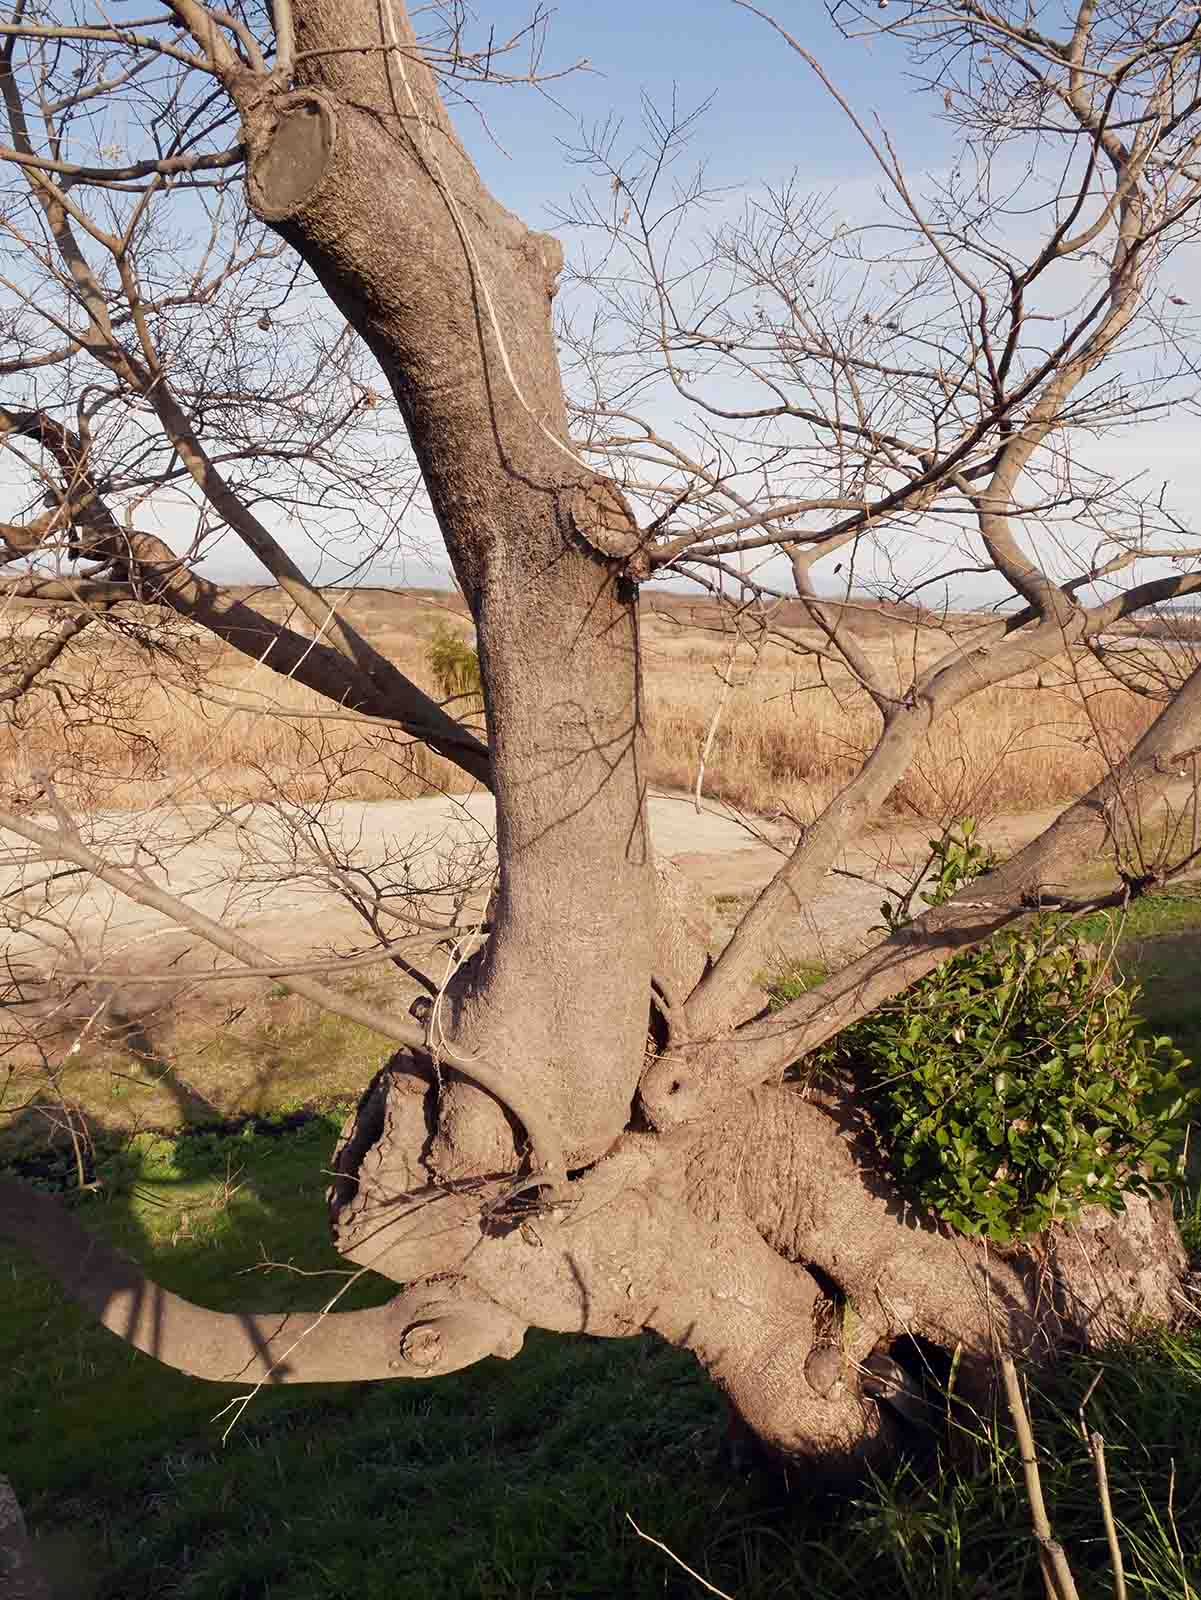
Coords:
590,1127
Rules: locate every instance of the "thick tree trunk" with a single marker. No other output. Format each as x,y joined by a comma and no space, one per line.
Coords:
361,171
768,1241
771,1246
739,1239
678,1185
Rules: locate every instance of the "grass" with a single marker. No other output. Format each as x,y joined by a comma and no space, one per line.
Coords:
122,727
510,1480
1156,943
515,1480
255,1054
785,739
190,721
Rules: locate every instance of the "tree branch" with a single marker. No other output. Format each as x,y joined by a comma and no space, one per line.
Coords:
413,1335
354,675
688,1084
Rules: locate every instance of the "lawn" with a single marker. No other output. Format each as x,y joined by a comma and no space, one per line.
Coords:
518,1479
1160,942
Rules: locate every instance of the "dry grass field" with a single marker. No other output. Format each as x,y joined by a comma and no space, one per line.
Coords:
792,728
122,724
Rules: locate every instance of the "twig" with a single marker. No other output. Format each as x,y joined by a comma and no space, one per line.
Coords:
1088,1394
1096,1446
543,1135
726,685
1188,1588
1065,1583
672,1555
1057,1575
1096,1449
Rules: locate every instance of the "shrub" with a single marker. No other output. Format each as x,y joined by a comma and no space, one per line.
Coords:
1012,1086
455,665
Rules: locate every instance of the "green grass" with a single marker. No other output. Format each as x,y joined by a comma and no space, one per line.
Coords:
515,1479
275,1054
791,978
1159,940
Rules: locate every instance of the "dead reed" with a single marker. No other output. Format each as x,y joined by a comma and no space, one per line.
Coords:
124,726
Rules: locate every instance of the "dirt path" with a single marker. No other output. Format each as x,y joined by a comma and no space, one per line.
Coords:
247,873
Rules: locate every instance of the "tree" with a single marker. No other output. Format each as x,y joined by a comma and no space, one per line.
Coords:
591,1127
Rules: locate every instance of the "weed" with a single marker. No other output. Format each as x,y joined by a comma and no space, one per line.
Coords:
790,978
453,662
515,1480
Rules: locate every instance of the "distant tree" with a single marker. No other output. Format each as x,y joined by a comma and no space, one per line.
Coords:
593,1127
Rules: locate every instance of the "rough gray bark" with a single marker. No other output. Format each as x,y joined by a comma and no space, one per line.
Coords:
20,1576
327,164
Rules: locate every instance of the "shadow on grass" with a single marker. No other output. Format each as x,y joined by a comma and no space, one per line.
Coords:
510,1479
203,1209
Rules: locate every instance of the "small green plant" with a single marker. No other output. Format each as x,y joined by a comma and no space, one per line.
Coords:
1012,1086
455,665
955,859
790,979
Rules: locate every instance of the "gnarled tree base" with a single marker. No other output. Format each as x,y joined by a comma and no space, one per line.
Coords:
770,1244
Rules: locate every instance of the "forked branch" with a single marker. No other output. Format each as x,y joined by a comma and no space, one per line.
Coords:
420,1334
689,1084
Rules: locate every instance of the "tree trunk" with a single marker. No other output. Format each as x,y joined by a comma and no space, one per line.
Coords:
742,1240
20,1576
453,295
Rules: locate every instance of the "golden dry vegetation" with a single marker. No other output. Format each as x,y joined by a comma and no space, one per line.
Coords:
121,723
144,710
792,728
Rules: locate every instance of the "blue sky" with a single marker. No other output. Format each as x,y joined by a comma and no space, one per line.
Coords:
768,119
768,115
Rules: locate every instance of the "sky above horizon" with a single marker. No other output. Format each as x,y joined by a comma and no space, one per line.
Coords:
768,120
766,117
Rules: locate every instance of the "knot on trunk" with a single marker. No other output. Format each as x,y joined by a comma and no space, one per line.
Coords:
601,515
448,1335
291,143
546,253
824,1369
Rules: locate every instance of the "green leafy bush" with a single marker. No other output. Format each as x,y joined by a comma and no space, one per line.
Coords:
1012,1086
455,665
